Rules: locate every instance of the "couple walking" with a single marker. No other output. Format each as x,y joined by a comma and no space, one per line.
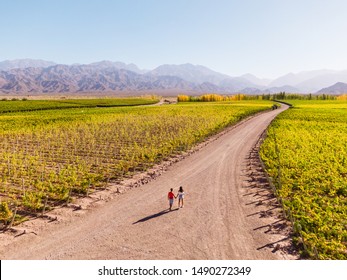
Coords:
171,196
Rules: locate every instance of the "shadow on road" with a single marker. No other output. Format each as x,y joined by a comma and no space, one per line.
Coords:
263,205
271,245
166,211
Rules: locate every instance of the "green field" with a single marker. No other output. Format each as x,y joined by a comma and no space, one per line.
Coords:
7,106
305,152
52,155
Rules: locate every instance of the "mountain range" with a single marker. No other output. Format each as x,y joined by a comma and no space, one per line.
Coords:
39,76
337,88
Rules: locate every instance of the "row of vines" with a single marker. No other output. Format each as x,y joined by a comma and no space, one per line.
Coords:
48,157
15,105
305,152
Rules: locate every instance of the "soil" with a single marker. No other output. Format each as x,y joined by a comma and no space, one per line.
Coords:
229,211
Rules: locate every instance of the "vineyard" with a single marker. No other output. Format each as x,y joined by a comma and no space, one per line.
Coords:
48,157
15,105
305,153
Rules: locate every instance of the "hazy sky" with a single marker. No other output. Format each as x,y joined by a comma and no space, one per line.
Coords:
267,38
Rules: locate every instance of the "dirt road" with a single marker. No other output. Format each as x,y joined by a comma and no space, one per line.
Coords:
229,212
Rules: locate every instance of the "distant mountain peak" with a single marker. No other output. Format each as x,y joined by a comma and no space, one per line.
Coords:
118,65
255,80
193,73
337,88
248,75
24,63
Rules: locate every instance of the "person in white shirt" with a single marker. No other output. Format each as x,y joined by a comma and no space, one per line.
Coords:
180,196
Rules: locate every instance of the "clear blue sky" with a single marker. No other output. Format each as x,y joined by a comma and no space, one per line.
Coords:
267,38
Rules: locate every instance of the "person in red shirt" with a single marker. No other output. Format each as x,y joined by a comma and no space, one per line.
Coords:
171,197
